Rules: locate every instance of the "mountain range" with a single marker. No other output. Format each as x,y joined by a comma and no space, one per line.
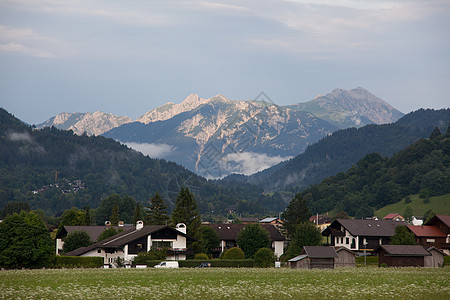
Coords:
217,136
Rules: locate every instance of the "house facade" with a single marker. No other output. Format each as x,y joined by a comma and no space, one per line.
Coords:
345,259
402,255
394,217
442,222
127,244
428,236
360,235
321,221
228,234
314,257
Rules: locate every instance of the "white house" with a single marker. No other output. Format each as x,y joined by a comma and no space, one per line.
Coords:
127,244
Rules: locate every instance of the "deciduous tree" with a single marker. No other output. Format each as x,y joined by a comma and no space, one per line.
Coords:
306,234
25,242
75,240
403,236
252,238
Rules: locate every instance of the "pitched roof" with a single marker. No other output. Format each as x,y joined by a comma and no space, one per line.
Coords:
368,227
339,249
433,248
320,252
426,231
249,219
230,232
391,216
268,220
297,258
443,218
93,231
323,219
125,237
404,250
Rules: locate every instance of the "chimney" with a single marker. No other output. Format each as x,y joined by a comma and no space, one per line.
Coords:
139,225
107,223
181,227
121,223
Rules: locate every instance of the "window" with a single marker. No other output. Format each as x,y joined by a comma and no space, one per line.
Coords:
99,251
347,241
162,244
430,240
139,246
342,240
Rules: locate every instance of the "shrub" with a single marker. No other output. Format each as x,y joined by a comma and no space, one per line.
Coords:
77,262
264,258
201,256
234,253
153,255
383,265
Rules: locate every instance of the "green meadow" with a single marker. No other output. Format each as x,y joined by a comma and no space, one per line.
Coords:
226,283
438,204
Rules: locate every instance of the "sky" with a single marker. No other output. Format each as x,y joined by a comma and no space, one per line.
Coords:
128,57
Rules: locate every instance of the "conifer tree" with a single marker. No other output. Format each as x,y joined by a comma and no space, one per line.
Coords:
436,132
157,211
115,215
296,212
87,216
186,211
137,214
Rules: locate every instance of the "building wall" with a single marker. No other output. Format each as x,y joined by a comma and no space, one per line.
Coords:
436,259
279,248
301,264
108,258
427,242
348,241
321,263
345,259
400,261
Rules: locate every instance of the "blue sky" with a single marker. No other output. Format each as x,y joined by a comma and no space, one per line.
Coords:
127,57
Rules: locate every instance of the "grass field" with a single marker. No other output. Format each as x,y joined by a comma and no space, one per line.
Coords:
438,204
356,283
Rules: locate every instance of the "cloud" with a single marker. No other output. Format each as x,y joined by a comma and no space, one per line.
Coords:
13,47
20,137
249,162
153,150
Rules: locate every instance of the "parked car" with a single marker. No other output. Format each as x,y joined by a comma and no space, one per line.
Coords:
204,265
167,264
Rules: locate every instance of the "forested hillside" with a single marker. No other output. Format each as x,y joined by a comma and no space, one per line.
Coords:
376,181
341,150
88,169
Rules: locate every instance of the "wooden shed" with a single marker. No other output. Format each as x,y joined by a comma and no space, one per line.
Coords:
402,255
346,258
314,257
436,259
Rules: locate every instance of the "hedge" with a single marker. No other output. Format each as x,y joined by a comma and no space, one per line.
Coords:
77,262
215,263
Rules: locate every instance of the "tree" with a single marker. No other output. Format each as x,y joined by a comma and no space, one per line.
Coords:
295,213
87,216
114,215
76,239
209,239
15,207
108,232
408,213
25,242
233,253
252,238
306,234
157,211
126,205
403,236
137,214
428,215
71,217
264,258
186,212
436,132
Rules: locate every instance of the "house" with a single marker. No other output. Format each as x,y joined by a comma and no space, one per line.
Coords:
428,236
314,257
360,235
93,231
436,259
249,220
416,221
271,220
127,244
346,258
321,221
402,255
394,217
443,223
228,234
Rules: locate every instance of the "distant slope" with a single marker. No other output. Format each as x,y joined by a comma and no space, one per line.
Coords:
30,159
377,181
90,123
438,204
338,152
350,108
